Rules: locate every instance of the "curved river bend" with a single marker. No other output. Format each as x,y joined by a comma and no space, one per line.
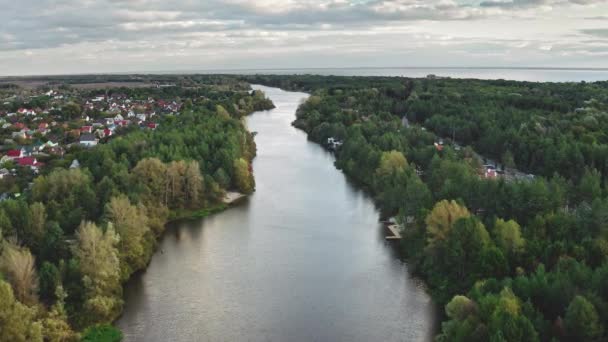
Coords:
303,259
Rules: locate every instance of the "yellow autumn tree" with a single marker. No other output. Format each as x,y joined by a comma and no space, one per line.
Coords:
441,219
100,265
508,236
17,321
243,178
19,266
131,224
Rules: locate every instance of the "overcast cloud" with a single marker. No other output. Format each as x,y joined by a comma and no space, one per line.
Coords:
78,36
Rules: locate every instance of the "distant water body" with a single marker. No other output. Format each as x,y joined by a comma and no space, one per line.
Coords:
518,74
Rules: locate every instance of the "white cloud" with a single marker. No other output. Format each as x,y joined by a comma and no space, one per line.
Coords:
130,35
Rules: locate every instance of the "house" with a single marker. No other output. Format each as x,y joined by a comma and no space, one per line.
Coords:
30,162
56,150
19,125
19,135
86,129
15,154
88,140
333,143
118,117
490,173
152,125
51,144
75,164
142,117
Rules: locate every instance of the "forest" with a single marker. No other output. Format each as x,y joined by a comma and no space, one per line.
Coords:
76,234
507,259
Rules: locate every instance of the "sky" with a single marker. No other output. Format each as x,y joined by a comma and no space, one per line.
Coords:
103,36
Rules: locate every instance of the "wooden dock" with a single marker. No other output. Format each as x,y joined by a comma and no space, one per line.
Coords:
395,231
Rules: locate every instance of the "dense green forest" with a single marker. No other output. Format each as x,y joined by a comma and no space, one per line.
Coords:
510,260
77,234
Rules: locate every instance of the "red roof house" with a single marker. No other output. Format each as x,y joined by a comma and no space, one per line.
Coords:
14,154
19,125
27,161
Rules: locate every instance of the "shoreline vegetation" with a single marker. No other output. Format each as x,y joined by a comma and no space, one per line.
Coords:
232,198
77,234
511,257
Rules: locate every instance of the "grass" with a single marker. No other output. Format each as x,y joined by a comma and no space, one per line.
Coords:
193,214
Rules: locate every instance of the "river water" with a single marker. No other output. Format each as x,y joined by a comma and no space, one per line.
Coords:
303,259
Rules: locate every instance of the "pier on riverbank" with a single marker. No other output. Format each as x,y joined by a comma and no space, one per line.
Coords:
394,229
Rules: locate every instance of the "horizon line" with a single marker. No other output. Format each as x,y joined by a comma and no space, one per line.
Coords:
219,70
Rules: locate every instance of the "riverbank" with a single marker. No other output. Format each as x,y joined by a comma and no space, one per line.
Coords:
231,198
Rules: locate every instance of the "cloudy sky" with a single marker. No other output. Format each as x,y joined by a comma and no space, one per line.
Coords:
81,36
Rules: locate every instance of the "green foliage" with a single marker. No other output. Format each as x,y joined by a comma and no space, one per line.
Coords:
582,321
102,333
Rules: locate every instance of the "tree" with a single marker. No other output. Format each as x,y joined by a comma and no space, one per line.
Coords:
390,163
49,280
465,244
100,266
17,321
193,183
507,322
131,224
582,321
222,112
590,186
460,307
54,326
6,227
243,178
508,236
390,180
417,198
70,111
53,246
440,220
151,173
175,184
37,223
20,268
508,160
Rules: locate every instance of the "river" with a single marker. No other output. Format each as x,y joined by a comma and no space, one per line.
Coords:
303,259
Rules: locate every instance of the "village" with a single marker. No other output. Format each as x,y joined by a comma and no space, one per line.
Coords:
38,126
